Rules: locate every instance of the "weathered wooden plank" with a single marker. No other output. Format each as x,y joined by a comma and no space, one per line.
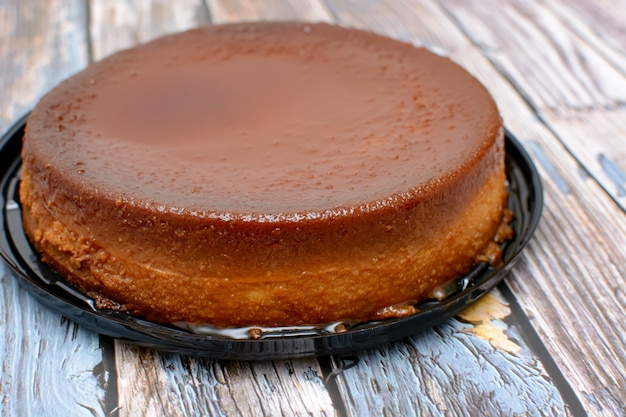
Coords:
569,82
535,49
242,10
596,138
177,385
597,24
49,365
448,371
572,292
41,43
571,286
121,24
602,16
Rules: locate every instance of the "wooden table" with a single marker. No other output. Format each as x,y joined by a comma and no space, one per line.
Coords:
551,340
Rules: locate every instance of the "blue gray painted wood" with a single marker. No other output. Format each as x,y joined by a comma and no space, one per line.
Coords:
449,371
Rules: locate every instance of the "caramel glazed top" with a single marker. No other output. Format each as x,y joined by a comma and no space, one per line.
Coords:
263,123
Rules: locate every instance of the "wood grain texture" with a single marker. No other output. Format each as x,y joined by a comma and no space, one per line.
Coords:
448,372
603,17
596,138
545,61
41,43
242,10
119,24
177,385
50,366
579,257
568,81
596,24
574,291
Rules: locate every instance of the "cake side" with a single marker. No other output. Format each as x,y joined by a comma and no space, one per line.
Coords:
302,274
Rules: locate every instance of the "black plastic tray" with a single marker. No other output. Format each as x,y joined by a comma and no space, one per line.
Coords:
525,199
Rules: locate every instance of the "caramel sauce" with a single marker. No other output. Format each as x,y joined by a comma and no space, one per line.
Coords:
265,123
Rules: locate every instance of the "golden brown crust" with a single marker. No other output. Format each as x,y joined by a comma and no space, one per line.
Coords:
337,289
169,261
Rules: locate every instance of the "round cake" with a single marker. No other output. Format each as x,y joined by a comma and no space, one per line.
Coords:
264,174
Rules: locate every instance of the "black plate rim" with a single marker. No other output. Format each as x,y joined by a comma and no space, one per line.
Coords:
170,339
